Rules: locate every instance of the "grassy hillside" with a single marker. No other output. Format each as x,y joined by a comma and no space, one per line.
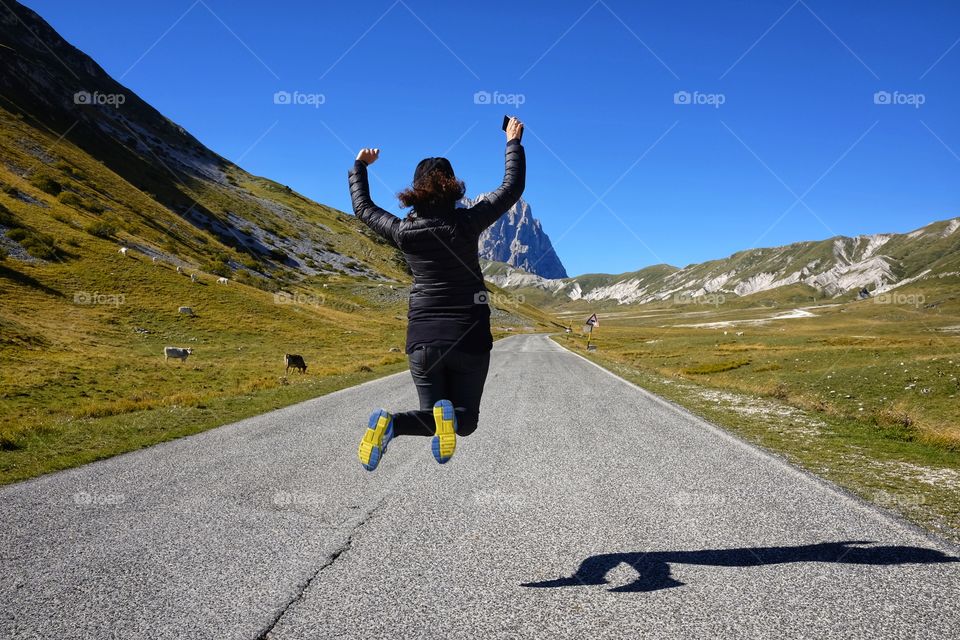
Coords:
83,332
249,228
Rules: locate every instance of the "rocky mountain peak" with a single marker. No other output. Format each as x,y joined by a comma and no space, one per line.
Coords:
518,239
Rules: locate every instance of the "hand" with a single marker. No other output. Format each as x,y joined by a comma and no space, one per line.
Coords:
514,129
368,156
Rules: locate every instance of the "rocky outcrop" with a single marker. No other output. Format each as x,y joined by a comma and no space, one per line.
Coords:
518,239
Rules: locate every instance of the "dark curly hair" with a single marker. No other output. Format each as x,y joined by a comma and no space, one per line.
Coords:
434,186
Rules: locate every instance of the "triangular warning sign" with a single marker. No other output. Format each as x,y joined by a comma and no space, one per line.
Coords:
593,320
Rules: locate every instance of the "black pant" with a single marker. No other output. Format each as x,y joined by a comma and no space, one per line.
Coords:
441,373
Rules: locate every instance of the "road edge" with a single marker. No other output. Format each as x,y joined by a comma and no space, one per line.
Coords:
773,457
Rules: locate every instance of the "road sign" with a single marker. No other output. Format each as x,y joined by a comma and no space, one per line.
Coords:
592,322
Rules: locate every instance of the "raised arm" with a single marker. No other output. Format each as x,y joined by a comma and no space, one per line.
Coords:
383,222
495,204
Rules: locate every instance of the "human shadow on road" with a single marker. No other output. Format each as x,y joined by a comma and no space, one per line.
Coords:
654,566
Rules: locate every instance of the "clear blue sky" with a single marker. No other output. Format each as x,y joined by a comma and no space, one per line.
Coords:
598,79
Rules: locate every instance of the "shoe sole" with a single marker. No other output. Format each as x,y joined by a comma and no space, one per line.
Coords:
375,439
445,440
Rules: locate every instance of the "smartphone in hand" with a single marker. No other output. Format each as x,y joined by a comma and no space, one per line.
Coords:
506,121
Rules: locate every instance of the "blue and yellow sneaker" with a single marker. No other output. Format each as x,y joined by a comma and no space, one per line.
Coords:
445,440
375,440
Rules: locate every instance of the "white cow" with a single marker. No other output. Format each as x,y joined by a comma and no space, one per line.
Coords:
193,277
179,270
123,251
154,259
177,353
222,280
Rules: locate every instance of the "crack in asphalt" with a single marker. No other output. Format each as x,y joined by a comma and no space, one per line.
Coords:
340,550
304,586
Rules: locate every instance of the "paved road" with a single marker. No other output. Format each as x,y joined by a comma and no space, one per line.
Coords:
269,528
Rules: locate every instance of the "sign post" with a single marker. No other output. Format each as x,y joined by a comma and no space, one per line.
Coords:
588,326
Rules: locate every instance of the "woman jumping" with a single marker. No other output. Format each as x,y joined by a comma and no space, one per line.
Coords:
448,336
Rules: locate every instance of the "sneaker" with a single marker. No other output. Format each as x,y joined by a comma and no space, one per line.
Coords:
445,440
375,440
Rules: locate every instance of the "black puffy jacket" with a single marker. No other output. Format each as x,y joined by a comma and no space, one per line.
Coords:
448,301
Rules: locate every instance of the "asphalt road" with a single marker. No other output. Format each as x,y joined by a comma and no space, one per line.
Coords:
270,528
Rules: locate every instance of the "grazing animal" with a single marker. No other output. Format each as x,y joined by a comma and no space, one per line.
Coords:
294,361
222,280
193,277
179,270
185,310
177,353
154,259
123,251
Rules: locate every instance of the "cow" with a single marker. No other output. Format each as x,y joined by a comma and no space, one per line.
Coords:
193,277
185,310
294,361
222,280
176,353
179,270
123,251
154,259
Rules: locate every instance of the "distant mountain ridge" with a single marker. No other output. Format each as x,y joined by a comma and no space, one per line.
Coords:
833,267
518,239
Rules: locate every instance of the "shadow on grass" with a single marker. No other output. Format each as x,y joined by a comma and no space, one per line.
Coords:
22,278
654,566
